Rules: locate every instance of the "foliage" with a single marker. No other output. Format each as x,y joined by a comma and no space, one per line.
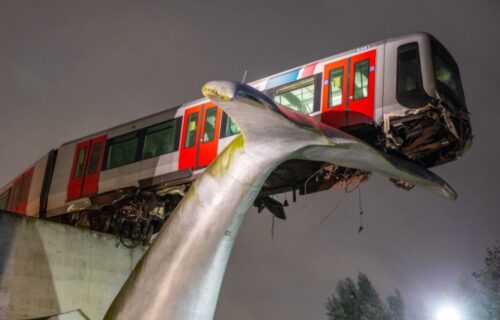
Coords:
396,306
484,300
362,302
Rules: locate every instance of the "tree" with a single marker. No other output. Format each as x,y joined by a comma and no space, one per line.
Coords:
362,302
396,306
486,296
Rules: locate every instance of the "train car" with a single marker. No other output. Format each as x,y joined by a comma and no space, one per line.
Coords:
402,95
23,194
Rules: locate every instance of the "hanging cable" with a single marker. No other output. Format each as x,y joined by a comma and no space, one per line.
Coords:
333,210
272,227
360,212
305,186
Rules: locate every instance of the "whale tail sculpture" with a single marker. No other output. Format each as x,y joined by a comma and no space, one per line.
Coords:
181,274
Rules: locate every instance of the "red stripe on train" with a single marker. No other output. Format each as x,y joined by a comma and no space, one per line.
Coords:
308,70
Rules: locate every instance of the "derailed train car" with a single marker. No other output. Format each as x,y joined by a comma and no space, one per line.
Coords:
403,96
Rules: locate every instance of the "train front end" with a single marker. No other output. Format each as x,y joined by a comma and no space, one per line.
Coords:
427,121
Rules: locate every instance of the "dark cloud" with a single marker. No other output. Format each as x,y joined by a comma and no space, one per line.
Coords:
70,68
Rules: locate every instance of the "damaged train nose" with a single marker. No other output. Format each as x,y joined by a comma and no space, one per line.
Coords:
433,135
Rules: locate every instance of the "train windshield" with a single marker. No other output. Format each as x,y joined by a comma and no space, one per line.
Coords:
447,74
410,90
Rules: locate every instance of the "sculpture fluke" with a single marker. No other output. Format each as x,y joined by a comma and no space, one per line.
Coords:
181,274
268,121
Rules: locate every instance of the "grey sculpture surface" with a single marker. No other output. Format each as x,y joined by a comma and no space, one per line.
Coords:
181,274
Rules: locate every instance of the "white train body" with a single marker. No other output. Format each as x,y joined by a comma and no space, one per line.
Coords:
382,93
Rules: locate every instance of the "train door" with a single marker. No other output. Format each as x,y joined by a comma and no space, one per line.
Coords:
209,139
18,201
190,135
362,88
87,163
200,136
348,90
334,103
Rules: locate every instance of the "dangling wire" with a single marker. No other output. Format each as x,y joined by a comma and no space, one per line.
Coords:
333,210
360,212
272,227
305,186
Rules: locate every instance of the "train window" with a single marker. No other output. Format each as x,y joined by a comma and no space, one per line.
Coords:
361,70
447,75
232,128
229,127
298,95
80,162
192,123
122,150
209,127
410,91
409,77
335,92
4,200
94,158
444,74
159,139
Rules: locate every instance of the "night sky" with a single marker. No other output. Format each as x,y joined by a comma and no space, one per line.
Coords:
69,68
